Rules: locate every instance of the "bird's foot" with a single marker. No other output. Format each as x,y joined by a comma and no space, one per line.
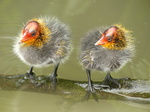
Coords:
51,78
25,77
48,79
111,83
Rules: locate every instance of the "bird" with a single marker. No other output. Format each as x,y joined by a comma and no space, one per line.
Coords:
43,41
106,49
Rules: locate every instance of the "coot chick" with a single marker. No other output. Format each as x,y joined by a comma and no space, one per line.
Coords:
42,42
106,49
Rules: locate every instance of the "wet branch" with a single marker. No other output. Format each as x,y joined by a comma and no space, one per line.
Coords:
131,89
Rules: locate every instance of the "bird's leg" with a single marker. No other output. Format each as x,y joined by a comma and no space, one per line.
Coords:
29,75
32,75
90,86
53,77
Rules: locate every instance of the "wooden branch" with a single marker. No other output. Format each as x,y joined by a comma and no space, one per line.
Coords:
133,90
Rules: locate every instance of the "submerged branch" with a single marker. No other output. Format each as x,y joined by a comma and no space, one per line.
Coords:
134,90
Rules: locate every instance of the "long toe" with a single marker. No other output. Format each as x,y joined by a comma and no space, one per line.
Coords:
41,81
15,76
111,84
33,79
101,86
21,79
20,82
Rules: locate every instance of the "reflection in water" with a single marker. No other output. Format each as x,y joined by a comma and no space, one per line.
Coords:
15,101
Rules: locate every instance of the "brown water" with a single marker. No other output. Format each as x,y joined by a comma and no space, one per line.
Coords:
80,15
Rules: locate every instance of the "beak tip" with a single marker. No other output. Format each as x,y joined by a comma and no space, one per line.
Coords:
96,43
20,42
99,43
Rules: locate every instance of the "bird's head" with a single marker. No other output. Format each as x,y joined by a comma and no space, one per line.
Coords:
35,33
30,32
114,38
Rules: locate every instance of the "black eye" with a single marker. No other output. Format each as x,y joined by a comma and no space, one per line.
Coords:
33,34
109,39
